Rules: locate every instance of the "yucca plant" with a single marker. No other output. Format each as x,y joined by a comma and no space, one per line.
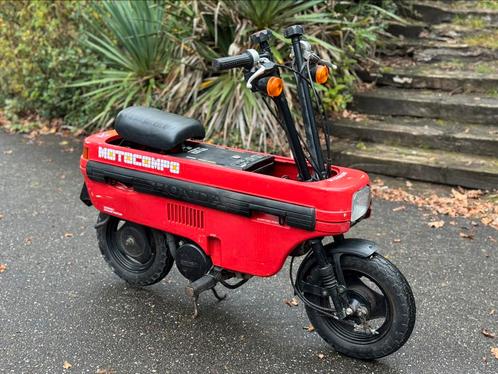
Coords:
232,113
138,41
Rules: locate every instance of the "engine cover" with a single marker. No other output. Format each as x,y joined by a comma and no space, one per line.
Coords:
192,262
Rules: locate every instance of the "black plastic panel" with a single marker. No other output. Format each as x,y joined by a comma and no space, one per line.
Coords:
211,197
240,160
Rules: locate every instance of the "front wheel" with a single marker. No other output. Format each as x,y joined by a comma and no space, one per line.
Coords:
382,306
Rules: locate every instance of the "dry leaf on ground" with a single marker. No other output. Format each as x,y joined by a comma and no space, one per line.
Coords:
3,267
321,356
67,365
494,352
466,236
400,208
309,328
436,224
8,152
488,334
28,240
68,234
292,302
473,204
396,240
1,216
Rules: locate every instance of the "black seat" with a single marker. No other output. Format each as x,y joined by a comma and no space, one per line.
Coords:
155,128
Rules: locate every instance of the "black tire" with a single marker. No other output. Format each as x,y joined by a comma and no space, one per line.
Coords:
398,304
143,269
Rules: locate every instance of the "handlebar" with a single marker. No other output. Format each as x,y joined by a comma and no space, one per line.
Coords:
244,60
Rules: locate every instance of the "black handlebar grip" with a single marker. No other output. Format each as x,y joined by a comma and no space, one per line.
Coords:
244,60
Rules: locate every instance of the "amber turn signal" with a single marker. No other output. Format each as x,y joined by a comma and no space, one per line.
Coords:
85,152
274,86
322,74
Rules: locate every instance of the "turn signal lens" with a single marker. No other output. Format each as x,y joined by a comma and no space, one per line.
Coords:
322,74
85,152
274,87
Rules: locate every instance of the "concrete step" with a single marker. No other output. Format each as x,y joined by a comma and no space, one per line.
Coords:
426,103
428,77
421,132
434,12
421,164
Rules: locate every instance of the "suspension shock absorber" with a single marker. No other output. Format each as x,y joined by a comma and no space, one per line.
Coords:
328,277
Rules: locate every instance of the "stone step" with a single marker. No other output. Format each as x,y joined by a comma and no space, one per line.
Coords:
421,164
410,30
433,50
421,132
427,77
427,103
434,12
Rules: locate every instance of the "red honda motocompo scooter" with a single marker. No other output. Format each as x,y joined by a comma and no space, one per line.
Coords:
222,213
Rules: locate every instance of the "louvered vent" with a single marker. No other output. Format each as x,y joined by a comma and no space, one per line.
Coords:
185,215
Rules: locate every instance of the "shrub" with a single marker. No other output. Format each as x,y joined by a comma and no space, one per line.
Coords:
41,54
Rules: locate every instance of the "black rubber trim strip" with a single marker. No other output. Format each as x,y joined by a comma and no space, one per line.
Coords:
211,197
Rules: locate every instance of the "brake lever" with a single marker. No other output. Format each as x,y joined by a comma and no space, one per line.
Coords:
266,65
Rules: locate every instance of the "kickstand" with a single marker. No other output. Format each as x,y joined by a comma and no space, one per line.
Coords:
196,309
217,295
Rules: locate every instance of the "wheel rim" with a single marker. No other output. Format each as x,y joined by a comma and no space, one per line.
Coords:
361,292
131,245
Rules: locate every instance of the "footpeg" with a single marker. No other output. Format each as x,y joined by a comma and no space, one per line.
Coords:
202,284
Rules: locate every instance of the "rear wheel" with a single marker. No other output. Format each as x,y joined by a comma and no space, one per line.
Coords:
382,308
136,253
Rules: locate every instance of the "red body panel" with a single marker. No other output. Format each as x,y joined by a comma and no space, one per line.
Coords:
256,245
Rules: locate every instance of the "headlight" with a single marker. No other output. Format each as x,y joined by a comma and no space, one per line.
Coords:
361,203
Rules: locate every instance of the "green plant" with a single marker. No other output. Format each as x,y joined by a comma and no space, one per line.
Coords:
342,31
136,42
40,53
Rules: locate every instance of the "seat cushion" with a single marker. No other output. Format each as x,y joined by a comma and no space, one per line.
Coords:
155,128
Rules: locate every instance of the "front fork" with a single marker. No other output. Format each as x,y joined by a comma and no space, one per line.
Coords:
329,277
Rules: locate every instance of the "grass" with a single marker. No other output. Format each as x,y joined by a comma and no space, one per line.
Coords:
483,40
473,22
484,69
488,4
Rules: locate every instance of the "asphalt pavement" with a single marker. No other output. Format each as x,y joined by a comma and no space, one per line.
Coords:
59,302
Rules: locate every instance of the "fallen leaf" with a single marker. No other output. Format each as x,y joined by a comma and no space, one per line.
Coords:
488,334
399,208
3,267
68,234
321,356
492,312
105,371
64,142
8,152
292,302
396,240
28,240
494,352
67,365
453,223
466,236
309,328
1,216
436,224
409,184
